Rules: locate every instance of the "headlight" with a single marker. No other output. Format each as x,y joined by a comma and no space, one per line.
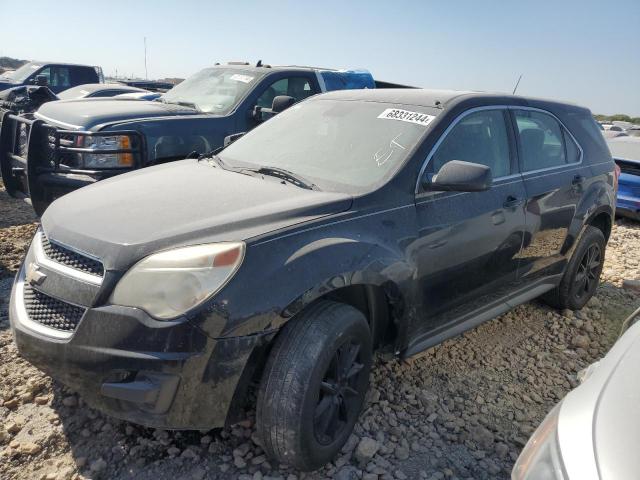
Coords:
168,284
541,458
107,160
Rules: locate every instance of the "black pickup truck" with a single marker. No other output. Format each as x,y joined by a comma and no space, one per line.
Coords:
66,145
56,76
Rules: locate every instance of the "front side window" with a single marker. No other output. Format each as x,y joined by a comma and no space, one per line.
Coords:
480,137
45,72
542,143
296,87
60,77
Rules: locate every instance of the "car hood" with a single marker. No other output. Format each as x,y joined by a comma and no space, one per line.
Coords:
90,114
4,84
599,423
126,218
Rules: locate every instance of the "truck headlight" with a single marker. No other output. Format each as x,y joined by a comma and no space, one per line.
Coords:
168,284
107,160
541,458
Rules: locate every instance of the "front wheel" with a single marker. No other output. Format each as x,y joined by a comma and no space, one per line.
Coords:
313,385
582,276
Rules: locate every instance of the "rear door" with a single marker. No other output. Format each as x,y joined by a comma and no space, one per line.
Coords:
83,75
468,242
554,178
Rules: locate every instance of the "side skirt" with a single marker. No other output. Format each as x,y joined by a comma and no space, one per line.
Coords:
472,320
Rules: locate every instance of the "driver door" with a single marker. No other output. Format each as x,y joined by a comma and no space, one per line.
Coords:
299,85
467,246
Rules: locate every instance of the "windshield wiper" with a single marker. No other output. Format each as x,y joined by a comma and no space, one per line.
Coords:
285,175
181,103
213,158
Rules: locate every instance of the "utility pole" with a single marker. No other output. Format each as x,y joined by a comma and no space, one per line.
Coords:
146,74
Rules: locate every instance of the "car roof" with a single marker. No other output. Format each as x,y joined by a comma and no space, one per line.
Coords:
62,63
93,87
443,98
264,69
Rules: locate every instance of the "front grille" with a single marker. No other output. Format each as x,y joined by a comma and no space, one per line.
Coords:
72,259
51,312
56,156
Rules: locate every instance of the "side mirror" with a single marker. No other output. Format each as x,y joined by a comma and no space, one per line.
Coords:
459,176
229,139
42,80
281,103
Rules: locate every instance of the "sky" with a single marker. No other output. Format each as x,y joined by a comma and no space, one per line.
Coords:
585,52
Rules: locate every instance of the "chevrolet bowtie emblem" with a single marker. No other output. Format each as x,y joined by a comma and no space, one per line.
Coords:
34,276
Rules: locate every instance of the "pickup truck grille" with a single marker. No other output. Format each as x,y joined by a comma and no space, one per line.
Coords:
51,312
68,159
72,259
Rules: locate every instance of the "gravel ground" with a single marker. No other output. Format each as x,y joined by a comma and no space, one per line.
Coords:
462,410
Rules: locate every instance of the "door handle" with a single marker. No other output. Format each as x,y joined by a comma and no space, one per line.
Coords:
512,202
577,180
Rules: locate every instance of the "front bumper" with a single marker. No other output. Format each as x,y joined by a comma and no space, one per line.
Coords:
36,159
167,375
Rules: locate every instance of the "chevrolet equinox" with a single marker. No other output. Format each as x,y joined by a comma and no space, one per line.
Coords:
353,221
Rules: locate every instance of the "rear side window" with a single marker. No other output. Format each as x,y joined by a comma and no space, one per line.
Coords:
480,137
573,152
542,141
82,75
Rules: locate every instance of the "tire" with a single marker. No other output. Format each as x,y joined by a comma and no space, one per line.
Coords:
298,392
573,293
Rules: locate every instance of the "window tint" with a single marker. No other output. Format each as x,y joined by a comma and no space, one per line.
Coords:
104,93
541,141
45,72
82,75
296,87
56,76
480,137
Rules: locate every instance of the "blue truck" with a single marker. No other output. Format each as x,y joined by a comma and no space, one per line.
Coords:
66,145
626,153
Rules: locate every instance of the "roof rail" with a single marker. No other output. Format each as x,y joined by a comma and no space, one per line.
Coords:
237,63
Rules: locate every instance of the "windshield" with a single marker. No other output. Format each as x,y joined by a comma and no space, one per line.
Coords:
74,92
341,146
21,74
212,90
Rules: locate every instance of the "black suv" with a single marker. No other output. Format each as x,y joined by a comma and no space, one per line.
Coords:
354,220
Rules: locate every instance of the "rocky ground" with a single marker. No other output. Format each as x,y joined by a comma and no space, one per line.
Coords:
463,410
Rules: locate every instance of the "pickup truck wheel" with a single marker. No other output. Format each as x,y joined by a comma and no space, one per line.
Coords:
582,276
313,385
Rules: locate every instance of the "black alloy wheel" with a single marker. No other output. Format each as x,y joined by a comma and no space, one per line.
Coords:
338,397
588,273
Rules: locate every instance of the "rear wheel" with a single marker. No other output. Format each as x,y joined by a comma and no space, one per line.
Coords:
582,276
314,384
